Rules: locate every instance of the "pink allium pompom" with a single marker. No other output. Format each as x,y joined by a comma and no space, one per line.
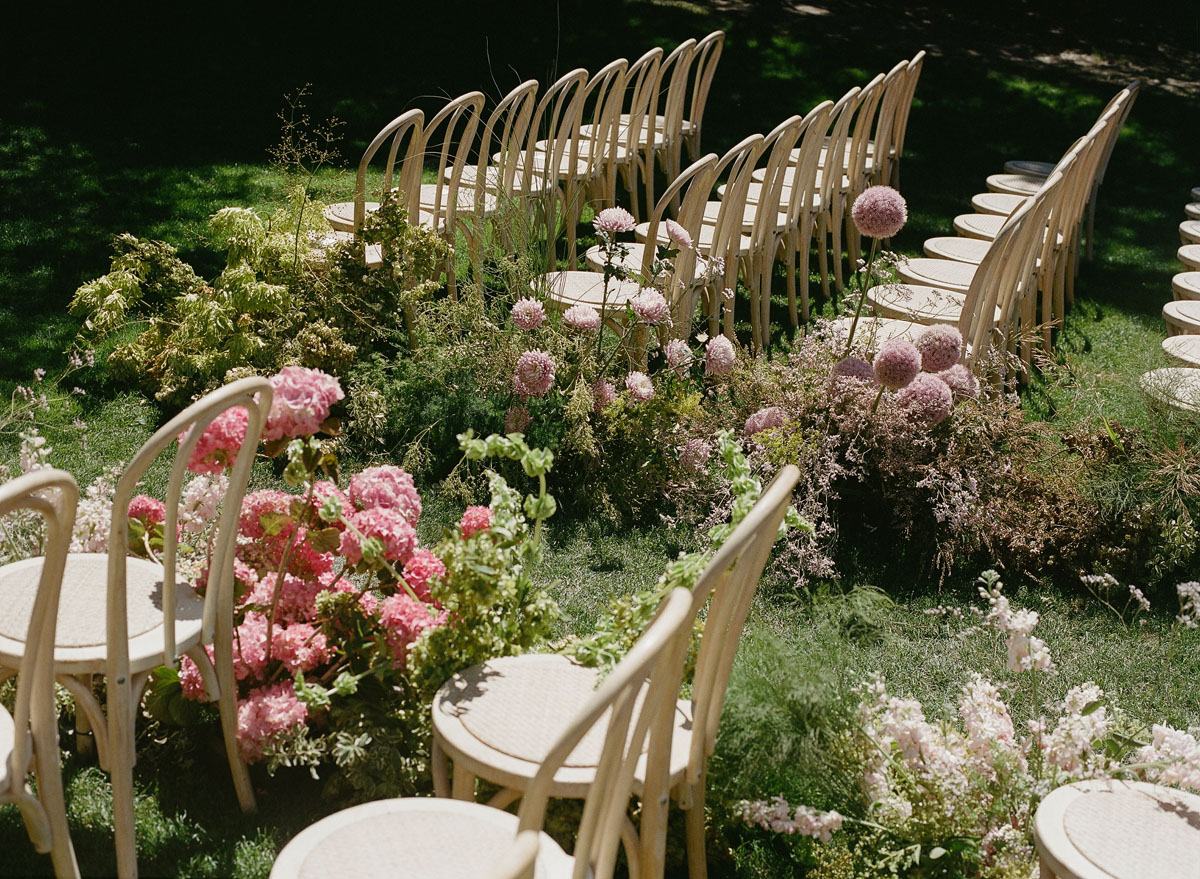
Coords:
149,510
265,714
940,346
960,381
897,363
854,367
603,393
679,235
389,487
516,419
651,307
613,220
879,212
528,313
719,356
678,354
927,399
763,419
641,388
404,621
582,317
695,454
534,375
389,525
474,520
302,400
220,442
420,569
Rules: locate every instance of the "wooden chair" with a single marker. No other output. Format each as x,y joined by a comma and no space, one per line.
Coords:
1183,349
662,135
856,161
612,723
1189,255
496,719
1186,285
708,55
120,630
1182,316
900,121
29,736
1110,829
1189,232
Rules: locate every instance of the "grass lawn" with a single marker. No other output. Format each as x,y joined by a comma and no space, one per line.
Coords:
158,164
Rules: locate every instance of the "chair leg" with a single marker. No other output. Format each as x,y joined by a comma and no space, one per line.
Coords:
464,785
805,242
839,281
437,763
632,844
822,253
697,856
50,790
121,756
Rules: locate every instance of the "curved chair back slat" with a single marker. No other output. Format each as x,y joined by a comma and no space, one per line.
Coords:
502,145
555,118
405,130
895,85
737,166
449,138
708,54
900,125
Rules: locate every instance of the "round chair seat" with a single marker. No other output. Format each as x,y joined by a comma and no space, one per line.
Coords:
584,149
582,168
1002,203
568,288
1100,828
1186,285
1192,210
1196,193
8,742
417,836
1189,232
702,242
340,215
944,273
1174,386
985,226
749,216
492,178
82,645
1028,168
1182,316
754,192
631,261
968,250
432,200
1189,255
877,330
1015,184
918,303
1185,349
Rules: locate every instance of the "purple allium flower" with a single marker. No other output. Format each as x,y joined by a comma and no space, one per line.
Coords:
678,354
719,356
897,363
940,346
695,454
641,388
763,419
854,367
603,393
879,212
528,313
613,220
960,381
679,235
516,419
534,375
927,399
582,317
651,307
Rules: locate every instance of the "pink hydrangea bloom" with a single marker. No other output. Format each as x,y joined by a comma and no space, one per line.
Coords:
641,388
927,399
516,419
405,620
389,487
695,454
764,419
854,367
651,307
322,491
603,393
300,647
719,356
389,525
191,681
250,647
528,313
879,212
474,520
960,381
613,220
582,317
264,715
534,375
268,502
302,401
940,346
679,235
678,354
220,442
150,510
421,568
297,596
897,363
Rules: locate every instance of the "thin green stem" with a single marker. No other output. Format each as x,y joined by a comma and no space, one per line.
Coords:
865,279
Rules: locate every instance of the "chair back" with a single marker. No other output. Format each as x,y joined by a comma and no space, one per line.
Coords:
641,92
638,698
252,394
1123,99
405,130
556,118
597,142
708,53
449,138
669,101
502,143
900,123
895,87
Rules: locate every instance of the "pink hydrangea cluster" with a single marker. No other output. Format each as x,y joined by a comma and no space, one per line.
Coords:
528,313
388,524
940,346
603,394
534,375
879,212
651,307
302,401
420,569
323,491
679,236
219,444
516,419
719,356
265,714
927,400
270,503
613,220
474,520
640,386
389,487
404,620
151,511
695,454
582,317
297,595
764,419
855,368
300,647
897,363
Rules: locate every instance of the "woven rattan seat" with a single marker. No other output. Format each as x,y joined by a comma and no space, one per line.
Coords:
1186,285
1015,184
1002,203
568,288
968,250
1192,210
917,302
874,331
944,273
1189,232
979,225
1102,829
1189,255
1183,348
1028,168
1182,316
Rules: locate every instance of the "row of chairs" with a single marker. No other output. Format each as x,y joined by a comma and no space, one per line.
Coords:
1015,273
1178,387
